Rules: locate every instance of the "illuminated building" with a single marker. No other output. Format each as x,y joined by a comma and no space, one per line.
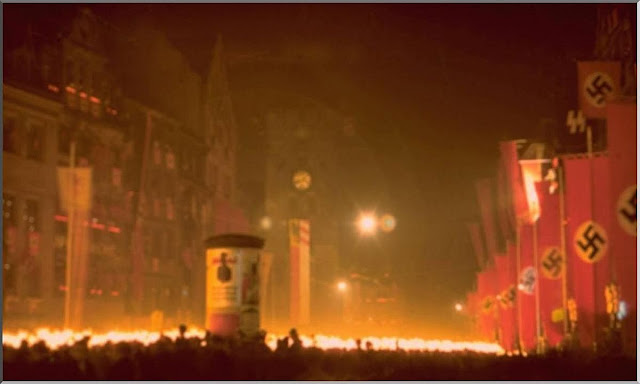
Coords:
160,140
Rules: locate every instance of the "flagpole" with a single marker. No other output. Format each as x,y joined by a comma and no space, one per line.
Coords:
563,246
595,289
517,298
539,347
70,224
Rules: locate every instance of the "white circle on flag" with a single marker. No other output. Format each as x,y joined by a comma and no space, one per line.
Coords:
597,87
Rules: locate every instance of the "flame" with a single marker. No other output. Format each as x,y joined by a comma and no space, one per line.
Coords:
55,339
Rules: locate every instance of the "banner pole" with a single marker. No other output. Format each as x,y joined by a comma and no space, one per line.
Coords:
517,298
70,224
563,246
539,345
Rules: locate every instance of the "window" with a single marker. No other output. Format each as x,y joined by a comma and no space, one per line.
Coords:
35,140
170,159
60,258
10,134
157,155
64,139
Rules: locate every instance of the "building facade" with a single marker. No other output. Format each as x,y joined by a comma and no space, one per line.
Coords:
163,172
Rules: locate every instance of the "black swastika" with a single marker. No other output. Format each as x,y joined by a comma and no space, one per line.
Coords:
591,240
632,214
598,89
553,263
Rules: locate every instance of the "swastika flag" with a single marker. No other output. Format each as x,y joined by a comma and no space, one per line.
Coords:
598,82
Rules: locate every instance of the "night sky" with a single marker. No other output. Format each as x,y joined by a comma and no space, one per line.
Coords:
432,88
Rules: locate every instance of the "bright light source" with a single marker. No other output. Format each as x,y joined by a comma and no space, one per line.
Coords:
458,307
342,286
367,224
265,223
387,223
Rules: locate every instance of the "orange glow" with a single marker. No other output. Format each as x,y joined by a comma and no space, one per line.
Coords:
71,90
83,95
57,338
60,218
532,173
53,88
94,99
97,226
342,286
367,223
114,229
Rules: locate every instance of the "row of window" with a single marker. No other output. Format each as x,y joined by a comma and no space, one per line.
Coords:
23,139
29,260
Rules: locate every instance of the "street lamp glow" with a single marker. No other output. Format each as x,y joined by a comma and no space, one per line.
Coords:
458,307
367,224
265,223
342,286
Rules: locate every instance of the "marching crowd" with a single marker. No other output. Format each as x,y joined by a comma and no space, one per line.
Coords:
216,358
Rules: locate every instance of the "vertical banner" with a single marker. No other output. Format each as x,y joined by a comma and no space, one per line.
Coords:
294,271
487,289
485,201
622,139
588,219
550,264
76,194
598,82
476,242
520,207
79,267
527,279
505,307
305,272
300,264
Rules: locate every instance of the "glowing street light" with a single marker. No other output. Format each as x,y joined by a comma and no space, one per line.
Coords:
458,307
367,224
342,286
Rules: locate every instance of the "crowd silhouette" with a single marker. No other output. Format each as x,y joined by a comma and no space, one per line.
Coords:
213,357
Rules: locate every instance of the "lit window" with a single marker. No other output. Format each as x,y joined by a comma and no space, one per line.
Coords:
34,137
10,135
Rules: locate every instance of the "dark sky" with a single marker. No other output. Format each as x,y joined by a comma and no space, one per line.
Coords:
432,87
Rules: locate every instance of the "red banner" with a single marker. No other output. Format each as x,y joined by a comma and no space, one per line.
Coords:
476,242
550,264
487,292
598,82
485,202
622,140
588,219
509,155
526,289
505,283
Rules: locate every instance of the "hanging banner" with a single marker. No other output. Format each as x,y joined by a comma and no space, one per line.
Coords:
74,188
598,82
622,136
300,264
588,214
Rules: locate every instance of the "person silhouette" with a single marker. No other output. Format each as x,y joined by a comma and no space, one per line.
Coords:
224,272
